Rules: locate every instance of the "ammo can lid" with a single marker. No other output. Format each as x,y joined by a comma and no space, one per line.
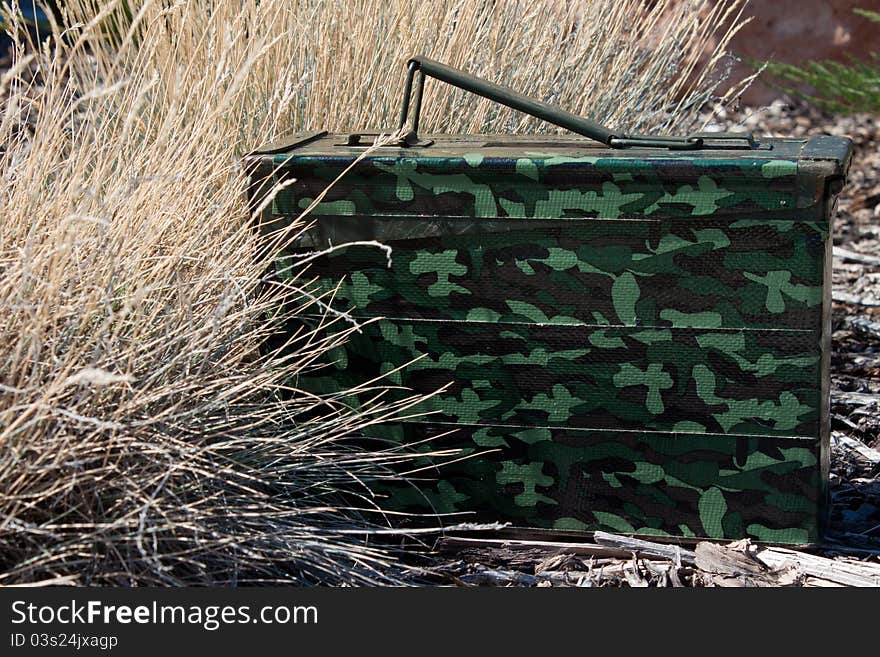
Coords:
593,151
801,173
837,151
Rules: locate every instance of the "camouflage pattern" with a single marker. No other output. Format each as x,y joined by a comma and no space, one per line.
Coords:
545,186
670,273
675,484
526,375
622,340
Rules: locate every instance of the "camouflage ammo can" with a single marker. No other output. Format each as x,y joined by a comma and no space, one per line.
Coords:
633,331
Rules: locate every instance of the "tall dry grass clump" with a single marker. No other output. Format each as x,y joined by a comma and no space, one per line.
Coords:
144,436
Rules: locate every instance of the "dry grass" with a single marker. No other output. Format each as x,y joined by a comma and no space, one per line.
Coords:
143,436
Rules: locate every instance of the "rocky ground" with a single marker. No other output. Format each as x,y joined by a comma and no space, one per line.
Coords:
851,554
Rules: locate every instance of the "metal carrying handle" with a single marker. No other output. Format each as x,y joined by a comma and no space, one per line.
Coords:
517,101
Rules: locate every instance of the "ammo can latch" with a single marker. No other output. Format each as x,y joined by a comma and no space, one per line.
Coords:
550,113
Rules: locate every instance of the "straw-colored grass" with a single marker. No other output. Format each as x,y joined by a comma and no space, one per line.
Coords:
144,438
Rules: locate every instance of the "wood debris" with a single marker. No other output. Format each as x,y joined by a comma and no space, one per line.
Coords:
649,563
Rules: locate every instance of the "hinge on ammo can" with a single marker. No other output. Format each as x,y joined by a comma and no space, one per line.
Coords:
547,112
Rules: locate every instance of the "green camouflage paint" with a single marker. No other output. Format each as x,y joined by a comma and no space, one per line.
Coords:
627,340
529,375
671,273
678,484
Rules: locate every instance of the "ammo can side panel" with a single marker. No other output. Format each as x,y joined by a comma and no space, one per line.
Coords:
471,236
760,273
633,482
603,378
446,298
675,227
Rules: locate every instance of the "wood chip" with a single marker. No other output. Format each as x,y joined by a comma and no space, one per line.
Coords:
855,398
645,548
841,571
863,327
854,299
544,548
563,561
856,446
499,578
725,561
854,256
737,567
824,583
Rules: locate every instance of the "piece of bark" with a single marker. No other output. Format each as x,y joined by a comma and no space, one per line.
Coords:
840,423
537,550
725,561
863,327
857,446
658,567
736,567
499,578
634,579
675,579
611,573
562,561
856,398
729,581
854,256
563,577
815,582
854,299
842,571
643,548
